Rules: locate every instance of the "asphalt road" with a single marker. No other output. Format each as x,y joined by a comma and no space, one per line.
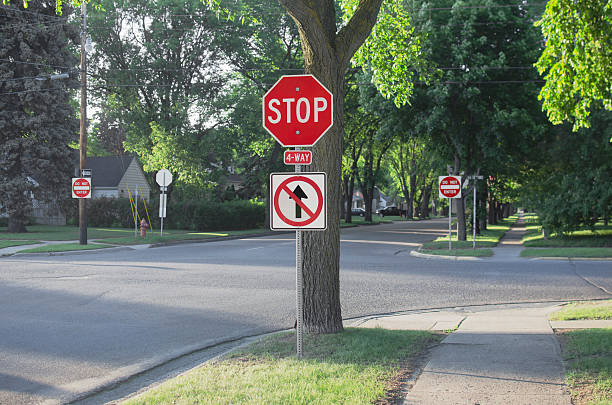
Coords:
71,323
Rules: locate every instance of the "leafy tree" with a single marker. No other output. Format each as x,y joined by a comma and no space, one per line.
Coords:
569,184
327,48
155,70
577,59
482,112
37,122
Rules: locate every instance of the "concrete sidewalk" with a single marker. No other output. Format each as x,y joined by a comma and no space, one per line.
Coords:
498,355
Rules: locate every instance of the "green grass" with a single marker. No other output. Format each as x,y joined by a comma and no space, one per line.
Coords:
361,221
584,310
9,243
64,247
459,252
168,237
588,354
601,237
352,367
112,235
568,252
488,238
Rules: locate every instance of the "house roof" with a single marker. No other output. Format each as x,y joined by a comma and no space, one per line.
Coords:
107,171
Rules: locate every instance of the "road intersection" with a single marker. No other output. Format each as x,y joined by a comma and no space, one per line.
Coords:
72,324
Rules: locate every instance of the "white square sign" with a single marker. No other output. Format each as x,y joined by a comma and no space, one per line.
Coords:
298,201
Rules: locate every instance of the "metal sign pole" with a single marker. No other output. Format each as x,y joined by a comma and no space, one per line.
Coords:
298,284
450,230
163,202
474,215
136,214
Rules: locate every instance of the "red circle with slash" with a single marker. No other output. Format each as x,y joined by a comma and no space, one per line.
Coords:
308,211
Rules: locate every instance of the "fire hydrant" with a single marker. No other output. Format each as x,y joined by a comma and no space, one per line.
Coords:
143,228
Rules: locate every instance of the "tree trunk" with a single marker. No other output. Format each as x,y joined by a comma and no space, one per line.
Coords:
16,225
425,197
326,56
460,206
492,213
346,208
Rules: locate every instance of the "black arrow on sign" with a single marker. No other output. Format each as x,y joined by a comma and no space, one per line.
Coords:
299,193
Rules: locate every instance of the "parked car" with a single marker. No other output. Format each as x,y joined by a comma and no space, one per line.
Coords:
358,211
390,210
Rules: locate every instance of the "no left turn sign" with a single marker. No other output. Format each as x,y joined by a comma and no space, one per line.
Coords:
298,201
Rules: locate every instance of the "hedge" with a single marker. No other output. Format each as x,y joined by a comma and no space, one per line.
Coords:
196,215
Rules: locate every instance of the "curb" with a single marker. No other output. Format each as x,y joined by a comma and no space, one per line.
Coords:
582,259
454,258
69,252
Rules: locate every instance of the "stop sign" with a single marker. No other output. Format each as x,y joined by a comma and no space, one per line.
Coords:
298,110
81,188
450,186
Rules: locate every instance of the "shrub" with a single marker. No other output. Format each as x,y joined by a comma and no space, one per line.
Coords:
195,215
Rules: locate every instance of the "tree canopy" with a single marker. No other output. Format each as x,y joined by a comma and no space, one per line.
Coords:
577,59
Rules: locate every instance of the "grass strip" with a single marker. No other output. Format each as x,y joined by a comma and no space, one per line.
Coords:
487,238
588,355
584,310
601,236
459,252
64,247
568,252
169,237
357,366
9,243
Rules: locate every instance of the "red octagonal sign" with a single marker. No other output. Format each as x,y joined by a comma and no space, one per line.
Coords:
298,110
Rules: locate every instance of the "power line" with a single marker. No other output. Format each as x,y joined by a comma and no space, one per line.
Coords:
34,91
35,64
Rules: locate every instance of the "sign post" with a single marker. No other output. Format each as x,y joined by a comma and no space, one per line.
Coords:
163,178
449,187
297,111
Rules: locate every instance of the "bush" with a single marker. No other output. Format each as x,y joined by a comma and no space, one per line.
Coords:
195,215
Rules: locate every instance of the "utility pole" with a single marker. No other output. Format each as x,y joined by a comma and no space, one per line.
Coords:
83,131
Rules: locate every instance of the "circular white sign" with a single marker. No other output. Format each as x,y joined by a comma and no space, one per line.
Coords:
163,177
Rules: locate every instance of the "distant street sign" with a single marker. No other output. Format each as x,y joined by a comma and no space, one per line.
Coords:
86,173
449,186
298,201
298,110
298,157
163,177
81,188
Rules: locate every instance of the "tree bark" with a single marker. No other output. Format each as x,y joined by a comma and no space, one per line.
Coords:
326,56
425,197
16,225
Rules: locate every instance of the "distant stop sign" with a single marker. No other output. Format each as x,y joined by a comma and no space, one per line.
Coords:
450,186
298,110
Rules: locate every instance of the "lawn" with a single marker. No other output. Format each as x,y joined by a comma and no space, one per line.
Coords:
113,235
587,353
361,221
600,237
487,238
64,247
357,366
9,243
584,310
459,252
588,356
585,252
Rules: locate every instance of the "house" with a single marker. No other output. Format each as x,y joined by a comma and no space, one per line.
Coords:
379,200
117,176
